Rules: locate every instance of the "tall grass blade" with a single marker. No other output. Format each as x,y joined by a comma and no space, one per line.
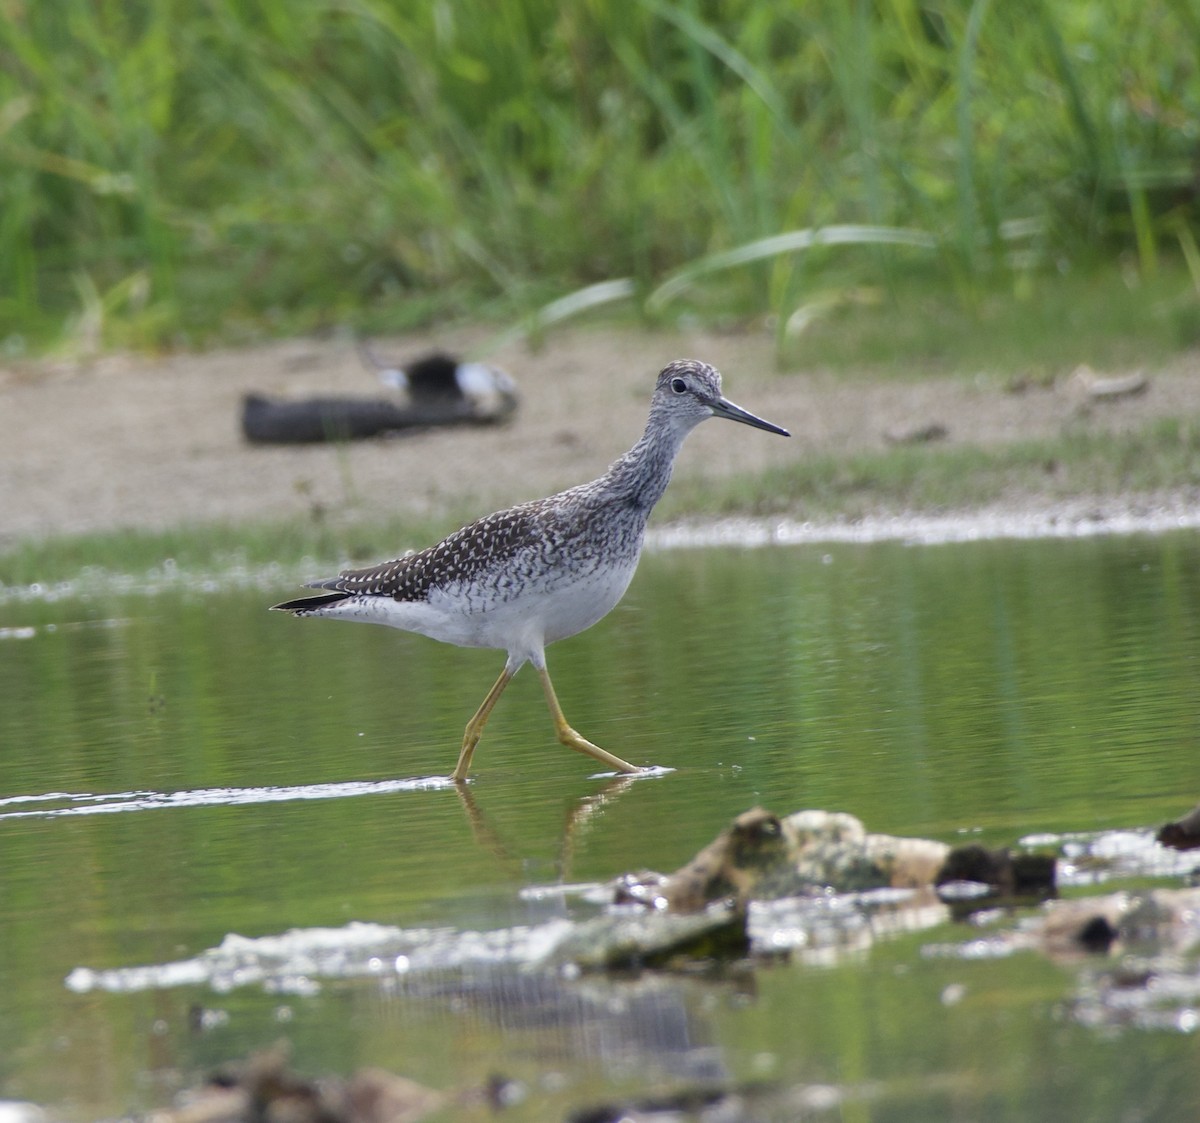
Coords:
274,167
583,300
724,52
1088,133
794,241
968,204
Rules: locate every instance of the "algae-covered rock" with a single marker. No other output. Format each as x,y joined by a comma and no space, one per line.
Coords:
1155,919
1182,833
760,856
750,858
835,851
265,1087
629,939
1004,875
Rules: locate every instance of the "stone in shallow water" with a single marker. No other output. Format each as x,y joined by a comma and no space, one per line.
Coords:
1182,833
761,856
632,938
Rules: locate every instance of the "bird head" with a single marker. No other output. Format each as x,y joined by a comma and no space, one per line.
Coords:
689,392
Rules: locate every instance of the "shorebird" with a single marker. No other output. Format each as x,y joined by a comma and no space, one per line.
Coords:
438,378
526,576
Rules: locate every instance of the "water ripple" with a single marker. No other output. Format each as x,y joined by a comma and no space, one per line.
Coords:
85,803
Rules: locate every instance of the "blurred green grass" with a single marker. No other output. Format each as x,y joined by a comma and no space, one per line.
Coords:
174,174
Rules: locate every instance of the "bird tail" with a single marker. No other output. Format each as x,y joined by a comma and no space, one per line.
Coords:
304,605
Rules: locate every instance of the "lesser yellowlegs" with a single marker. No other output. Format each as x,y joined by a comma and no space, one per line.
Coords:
541,571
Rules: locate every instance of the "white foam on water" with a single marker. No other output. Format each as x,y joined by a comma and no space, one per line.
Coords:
85,803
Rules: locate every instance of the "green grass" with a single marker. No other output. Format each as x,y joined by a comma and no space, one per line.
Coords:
1039,330
213,549
174,173
1163,455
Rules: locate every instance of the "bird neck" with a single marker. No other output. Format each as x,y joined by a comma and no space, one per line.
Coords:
641,476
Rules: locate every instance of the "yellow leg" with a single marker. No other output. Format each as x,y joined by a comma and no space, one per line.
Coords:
574,740
475,726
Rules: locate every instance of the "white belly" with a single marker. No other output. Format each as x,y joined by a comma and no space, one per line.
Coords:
521,622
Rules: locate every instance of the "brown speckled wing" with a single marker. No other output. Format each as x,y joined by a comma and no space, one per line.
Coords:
465,555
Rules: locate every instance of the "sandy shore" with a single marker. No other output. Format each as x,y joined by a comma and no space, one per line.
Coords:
131,442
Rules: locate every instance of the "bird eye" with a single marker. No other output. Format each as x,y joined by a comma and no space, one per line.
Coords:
678,385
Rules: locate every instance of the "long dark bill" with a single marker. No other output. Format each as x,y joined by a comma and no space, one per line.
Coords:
723,407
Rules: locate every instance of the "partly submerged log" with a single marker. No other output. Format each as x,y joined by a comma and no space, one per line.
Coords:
761,856
272,421
437,389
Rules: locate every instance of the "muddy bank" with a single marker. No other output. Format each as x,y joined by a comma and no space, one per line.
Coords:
145,443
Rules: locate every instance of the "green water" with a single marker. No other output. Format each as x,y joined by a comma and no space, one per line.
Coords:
994,689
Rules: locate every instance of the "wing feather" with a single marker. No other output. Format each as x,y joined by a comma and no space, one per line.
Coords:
465,555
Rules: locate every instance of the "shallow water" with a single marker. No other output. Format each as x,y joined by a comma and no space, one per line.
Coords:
185,766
